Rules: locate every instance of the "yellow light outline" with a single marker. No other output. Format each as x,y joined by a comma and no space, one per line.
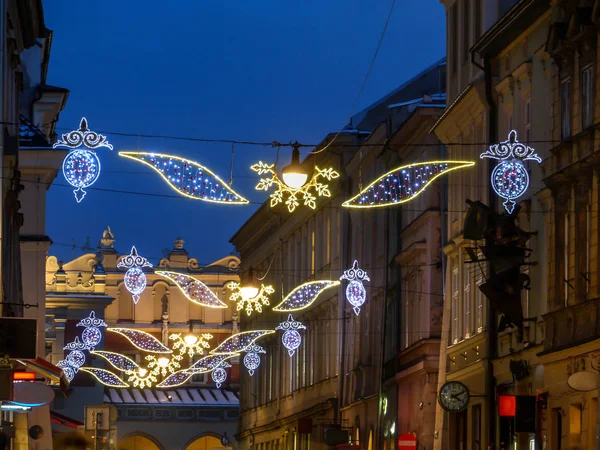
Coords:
159,385
91,370
266,332
461,165
114,330
255,303
101,353
297,288
322,190
130,155
163,273
226,357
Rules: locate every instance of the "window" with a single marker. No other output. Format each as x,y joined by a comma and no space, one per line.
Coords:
406,314
587,97
455,308
566,259
312,252
574,425
467,300
328,243
465,27
476,433
453,41
509,123
565,108
477,18
557,429
527,120
479,298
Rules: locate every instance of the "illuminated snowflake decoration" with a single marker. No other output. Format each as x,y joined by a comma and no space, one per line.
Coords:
255,303
252,358
81,166
510,178
355,291
135,279
308,193
291,338
91,335
191,350
219,375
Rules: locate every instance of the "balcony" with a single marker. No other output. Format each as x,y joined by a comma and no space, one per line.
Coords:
572,326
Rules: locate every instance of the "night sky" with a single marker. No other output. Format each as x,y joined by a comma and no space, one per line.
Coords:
246,70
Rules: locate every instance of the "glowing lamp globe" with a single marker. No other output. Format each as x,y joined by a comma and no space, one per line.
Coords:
190,339
163,361
142,372
249,292
81,169
76,358
294,175
251,361
356,294
219,375
135,282
91,336
291,340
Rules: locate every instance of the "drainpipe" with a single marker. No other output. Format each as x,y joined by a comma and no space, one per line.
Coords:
492,337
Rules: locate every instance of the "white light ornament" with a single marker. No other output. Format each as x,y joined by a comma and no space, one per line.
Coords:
135,278
291,338
91,335
252,358
355,291
219,375
81,166
510,178
249,302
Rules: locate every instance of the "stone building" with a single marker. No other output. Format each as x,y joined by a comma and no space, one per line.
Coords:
202,414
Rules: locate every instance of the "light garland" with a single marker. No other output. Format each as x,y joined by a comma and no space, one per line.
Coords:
252,358
142,340
204,365
304,295
402,184
355,291
194,290
284,193
239,342
510,178
135,279
189,178
105,377
81,166
249,304
219,375
291,338
118,361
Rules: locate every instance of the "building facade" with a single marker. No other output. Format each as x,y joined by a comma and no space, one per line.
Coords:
202,413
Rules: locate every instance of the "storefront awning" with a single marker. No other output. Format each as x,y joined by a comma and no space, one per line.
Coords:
64,420
49,370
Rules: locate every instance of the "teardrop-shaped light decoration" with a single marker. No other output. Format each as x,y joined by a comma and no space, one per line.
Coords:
189,178
403,184
105,377
194,290
118,361
356,293
142,340
239,342
304,295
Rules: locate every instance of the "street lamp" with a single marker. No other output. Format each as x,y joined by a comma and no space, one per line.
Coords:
190,339
294,175
250,289
163,361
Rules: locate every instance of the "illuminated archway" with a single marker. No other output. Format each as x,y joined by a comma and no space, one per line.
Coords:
139,441
206,442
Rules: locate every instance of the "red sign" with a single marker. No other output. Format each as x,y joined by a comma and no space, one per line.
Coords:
407,442
507,406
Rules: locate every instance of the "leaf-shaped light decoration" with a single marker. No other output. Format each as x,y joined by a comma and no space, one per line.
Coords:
239,342
105,377
304,295
403,184
142,340
189,178
118,361
209,363
195,290
175,379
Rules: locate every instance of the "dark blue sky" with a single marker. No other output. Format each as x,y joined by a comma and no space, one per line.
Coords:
244,70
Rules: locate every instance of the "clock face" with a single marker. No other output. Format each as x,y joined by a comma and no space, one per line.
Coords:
454,396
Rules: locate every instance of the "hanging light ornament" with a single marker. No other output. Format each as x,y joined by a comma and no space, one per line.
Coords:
239,342
252,358
135,278
194,290
355,291
189,178
91,335
293,183
304,295
249,297
291,338
510,178
219,375
81,166
403,184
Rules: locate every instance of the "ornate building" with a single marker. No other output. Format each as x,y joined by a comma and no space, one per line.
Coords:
203,413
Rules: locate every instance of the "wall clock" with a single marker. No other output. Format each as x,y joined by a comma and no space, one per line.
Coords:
454,396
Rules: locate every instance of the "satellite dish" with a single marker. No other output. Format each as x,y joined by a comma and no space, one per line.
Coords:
583,381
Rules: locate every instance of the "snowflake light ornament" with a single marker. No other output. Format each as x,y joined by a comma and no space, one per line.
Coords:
355,291
291,196
291,338
219,375
252,358
135,279
510,178
81,166
255,303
